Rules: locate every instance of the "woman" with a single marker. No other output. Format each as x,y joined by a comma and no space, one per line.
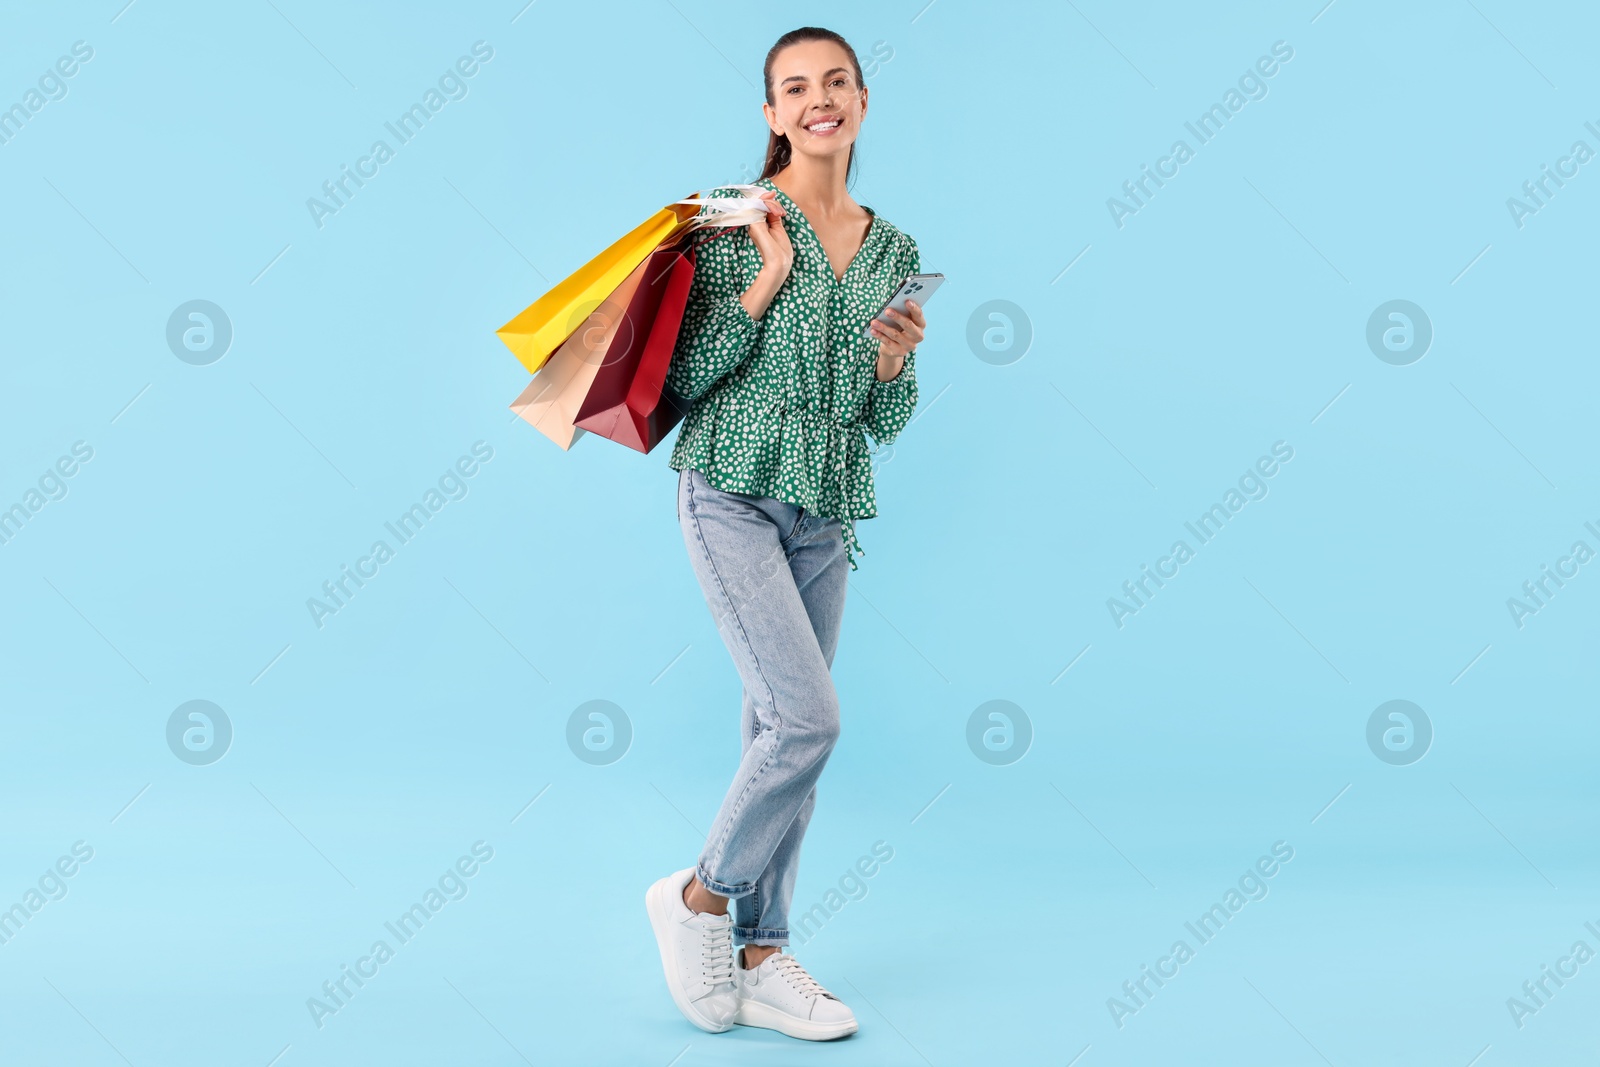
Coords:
785,374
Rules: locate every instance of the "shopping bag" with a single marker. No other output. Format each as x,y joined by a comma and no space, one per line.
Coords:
550,402
541,327
544,324
628,401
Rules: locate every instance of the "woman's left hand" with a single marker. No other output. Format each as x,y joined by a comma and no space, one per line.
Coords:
903,335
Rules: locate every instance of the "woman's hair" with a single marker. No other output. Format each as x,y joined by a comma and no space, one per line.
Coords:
778,150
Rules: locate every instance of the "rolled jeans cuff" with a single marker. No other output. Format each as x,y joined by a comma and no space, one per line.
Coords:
757,935
722,889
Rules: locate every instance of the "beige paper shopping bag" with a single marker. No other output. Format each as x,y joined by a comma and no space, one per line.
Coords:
551,401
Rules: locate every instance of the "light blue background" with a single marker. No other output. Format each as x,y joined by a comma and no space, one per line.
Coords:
1228,314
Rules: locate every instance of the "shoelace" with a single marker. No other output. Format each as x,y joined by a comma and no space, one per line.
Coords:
716,951
799,977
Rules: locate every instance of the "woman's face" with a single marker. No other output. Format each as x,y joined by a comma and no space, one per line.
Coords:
818,105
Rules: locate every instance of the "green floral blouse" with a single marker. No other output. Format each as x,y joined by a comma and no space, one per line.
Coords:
781,405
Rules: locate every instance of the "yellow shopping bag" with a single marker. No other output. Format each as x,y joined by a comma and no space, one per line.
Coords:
551,319
533,335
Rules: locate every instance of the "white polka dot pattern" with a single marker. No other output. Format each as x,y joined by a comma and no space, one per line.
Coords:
781,406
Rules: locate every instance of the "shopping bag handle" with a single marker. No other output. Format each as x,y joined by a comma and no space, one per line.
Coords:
726,211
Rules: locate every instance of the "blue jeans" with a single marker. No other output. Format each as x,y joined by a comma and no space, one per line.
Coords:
773,575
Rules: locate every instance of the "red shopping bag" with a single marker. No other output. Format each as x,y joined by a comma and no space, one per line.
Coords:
628,401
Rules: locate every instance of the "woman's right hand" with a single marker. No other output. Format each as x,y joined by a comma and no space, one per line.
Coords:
772,240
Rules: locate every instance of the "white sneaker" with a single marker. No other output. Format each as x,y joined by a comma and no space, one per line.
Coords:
779,995
696,953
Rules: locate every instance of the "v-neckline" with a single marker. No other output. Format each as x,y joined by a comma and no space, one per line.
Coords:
872,228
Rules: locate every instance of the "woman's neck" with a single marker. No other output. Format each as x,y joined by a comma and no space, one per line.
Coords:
817,186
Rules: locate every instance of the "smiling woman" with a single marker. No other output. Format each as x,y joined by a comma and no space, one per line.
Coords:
787,372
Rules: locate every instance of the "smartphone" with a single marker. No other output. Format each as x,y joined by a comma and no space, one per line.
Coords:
918,287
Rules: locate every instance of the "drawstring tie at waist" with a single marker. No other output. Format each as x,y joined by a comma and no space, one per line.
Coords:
841,472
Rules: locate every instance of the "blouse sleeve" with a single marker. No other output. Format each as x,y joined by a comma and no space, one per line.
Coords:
890,404
717,332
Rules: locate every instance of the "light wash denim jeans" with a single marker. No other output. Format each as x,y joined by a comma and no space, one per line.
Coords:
773,575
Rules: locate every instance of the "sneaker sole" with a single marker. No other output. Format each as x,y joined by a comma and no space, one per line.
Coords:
656,901
754,1014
